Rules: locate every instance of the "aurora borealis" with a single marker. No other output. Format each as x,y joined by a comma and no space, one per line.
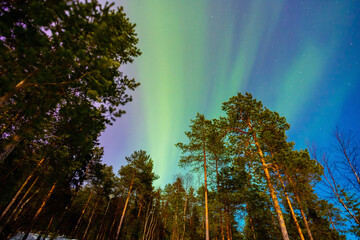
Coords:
300,58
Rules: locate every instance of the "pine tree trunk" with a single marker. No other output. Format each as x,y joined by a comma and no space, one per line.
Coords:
82,213
290,206
44,202
300,207
146,220
304,217
150,225
20,190
139,210
48,227
206,198
33,222
22,199
173,230
251,222
227,223
272,191
115,217
165,220
218,188
92,214
183,235
126,203
17,214
102,220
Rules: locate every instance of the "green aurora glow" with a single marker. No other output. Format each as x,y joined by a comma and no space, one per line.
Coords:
197,54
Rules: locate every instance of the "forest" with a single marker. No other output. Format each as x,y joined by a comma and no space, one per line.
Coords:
61,86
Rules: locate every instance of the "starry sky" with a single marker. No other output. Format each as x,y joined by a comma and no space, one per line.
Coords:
300,58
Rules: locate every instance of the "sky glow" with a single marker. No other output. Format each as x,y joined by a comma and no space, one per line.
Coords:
300,58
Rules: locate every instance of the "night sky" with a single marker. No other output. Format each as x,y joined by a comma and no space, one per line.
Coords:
300,58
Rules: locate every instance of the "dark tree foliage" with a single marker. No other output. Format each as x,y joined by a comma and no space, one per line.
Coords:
60,86
56,53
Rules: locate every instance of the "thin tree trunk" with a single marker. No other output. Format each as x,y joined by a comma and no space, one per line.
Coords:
231,238
274,197
183,235
23,198
19,191
206,198
277,208
115,216
343,146
336,191
126,203
165,220
70,204
290,206
102,220
153,230
218,188
82,213
251,222
40,210
227,223
44,202
174,224
48,227
150,225
92,214
146,220
23,205
301,209
139,210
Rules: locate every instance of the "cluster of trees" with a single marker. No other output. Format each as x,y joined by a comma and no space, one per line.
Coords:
257,176
61,85
256,186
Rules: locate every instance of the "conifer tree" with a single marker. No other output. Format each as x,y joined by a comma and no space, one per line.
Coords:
255,125
195,154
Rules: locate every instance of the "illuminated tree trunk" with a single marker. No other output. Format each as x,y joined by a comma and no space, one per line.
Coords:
82,213
115,217
146,220
271,189
23,198
206,198
23,205
44,202
92,214
301,209
290,207
126,203
218,188
19,191
102,220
